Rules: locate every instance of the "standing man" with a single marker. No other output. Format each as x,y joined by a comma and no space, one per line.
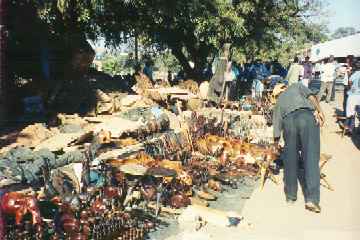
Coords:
298,116
307,72
217,83
327,79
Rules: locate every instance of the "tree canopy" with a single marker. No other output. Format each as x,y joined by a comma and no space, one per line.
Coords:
193,30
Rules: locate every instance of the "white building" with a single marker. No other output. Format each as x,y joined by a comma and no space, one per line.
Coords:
340,48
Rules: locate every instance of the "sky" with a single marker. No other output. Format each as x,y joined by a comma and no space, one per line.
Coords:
343,13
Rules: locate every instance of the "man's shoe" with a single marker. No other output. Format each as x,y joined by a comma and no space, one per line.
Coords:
313,207
290,201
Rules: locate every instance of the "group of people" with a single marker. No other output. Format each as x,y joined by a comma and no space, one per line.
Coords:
249,78
327,72
306,71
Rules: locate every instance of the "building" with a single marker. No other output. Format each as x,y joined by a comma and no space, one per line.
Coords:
340,48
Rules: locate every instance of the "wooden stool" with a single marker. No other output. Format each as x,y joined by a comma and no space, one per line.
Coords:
324,158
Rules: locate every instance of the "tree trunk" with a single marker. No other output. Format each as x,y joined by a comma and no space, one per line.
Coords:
191,73
199,55
184,62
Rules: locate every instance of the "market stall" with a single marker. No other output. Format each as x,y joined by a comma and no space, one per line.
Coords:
118,175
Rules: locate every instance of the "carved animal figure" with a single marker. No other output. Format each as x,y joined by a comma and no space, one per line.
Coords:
17,204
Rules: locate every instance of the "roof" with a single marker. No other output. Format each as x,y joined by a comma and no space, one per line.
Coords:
341,47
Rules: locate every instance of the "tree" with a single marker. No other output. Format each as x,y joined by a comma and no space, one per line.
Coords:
193,30
343,32
166,61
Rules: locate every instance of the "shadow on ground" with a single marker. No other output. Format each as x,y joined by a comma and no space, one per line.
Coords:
356,139
232,200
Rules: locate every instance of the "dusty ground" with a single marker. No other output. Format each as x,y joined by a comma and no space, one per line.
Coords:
274,219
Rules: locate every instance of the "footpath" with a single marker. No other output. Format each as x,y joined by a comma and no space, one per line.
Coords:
273,219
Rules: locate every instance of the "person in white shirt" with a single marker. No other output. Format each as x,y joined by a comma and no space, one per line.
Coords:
295,72
307,72
327,79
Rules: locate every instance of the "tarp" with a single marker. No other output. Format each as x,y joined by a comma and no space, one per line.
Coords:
341,47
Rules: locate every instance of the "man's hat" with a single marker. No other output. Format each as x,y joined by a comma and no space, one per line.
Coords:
279,88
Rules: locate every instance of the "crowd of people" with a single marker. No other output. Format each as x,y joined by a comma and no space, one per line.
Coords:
329,73
255,76
252,78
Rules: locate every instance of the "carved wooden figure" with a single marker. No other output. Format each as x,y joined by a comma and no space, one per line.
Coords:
17,204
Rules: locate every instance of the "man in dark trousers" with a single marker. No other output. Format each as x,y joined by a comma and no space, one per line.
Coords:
298,116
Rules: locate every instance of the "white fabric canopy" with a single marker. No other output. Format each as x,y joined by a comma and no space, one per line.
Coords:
341,47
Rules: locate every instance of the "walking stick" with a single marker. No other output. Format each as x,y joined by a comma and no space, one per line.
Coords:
220,100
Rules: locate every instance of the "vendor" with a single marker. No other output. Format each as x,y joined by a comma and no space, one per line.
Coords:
297,115
217,82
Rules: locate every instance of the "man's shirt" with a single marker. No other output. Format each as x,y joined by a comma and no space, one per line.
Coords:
307,74
294,98
294,73
328,72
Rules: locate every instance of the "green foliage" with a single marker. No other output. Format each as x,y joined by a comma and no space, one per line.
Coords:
166,61
111,65
116,64
193,29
